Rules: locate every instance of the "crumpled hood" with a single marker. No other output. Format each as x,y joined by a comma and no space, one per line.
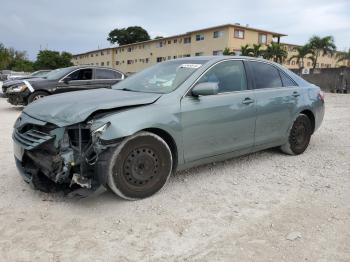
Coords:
74,107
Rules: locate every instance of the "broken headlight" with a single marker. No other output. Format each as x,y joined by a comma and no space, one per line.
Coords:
17,89
98,131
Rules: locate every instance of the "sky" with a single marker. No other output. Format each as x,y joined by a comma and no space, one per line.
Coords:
80,25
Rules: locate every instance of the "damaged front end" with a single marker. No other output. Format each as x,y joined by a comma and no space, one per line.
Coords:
53,158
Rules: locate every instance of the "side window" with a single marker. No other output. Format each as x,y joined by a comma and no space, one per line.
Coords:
265,75
82,74
286,80
107,74
230,76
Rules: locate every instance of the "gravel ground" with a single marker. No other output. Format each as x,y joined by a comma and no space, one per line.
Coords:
262,207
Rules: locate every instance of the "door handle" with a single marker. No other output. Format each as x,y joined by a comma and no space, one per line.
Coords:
295,94
248,101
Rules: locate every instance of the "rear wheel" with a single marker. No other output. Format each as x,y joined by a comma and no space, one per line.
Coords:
140,166
299,136
36,96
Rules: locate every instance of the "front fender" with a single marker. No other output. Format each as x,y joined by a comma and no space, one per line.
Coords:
131,121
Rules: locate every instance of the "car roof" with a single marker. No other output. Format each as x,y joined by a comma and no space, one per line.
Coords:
93,66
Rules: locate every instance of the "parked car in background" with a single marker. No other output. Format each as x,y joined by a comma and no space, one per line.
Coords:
37,74
62,80
14,75
174,115
4,74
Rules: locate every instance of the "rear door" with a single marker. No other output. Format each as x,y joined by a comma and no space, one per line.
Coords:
80,79
277,97
222,123
105,78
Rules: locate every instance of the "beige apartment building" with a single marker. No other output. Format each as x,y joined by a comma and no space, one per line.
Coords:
208,41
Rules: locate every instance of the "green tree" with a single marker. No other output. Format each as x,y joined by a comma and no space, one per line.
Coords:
246,50
228,52
344,56
23,65
257,51
130,35
302,53
5,58
321,46
48,59
12,59
275,52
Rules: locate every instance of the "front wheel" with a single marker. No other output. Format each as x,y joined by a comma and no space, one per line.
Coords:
140,166
36,96
299,136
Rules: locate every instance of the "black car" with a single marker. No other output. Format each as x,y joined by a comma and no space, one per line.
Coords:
62,80
18,80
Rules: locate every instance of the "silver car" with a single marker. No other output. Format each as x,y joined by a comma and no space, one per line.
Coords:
171,116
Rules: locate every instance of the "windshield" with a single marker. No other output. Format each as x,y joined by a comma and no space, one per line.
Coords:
58,73
161,78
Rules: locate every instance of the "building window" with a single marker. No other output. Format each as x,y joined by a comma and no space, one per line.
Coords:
187,40
218,34
217,52
147,60
199,54
262,39
107,63
96,54
199,37
169,42
238,33
102,63
92,55
117,62
129,49
159,59
174,57
175,41
187,55
129,62
159,44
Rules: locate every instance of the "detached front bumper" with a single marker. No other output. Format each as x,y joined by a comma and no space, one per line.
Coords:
17,98
43,164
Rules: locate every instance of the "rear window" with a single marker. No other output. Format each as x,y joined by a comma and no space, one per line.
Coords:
265,75
287,81
107,74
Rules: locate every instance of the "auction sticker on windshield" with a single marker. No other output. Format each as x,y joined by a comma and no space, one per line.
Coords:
195,66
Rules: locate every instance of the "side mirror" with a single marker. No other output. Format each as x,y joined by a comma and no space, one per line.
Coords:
205,89
67,79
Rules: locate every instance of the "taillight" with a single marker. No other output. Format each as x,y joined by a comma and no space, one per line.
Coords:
321,95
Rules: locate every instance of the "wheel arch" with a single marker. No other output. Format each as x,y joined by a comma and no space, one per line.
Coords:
311,116
169,140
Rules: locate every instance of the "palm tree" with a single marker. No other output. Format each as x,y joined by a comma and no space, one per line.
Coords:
321,46
228,52
344,56
302,53
256,50
275,52
246,50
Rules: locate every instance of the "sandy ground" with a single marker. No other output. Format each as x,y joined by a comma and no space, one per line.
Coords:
262,207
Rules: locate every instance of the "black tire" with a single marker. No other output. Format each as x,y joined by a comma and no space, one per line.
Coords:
140,166
36,96
299,136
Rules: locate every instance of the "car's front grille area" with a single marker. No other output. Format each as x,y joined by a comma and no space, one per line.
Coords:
31,139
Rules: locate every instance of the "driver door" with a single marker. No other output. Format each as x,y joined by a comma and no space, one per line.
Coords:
222,123
80,79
